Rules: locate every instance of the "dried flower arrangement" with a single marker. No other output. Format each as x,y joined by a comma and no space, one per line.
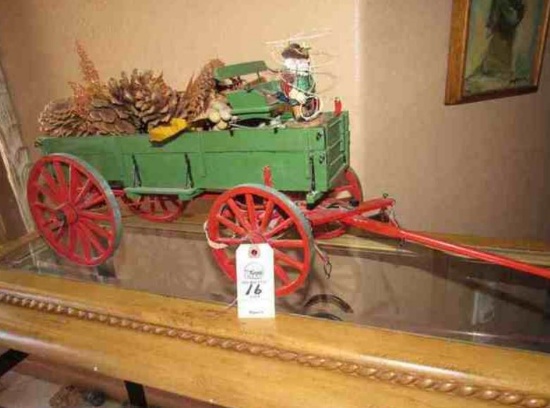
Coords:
126,105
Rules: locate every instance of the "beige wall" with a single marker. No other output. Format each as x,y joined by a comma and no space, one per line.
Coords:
478,168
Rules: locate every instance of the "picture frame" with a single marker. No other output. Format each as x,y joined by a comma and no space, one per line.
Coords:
496,48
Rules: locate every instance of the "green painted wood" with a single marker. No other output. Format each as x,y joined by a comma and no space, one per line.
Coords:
236,70
301,159
183,194
254,102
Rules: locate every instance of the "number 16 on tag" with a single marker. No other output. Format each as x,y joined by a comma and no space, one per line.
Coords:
255,281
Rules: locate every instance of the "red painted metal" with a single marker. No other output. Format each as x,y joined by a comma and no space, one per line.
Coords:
393,230
323,216
337,106
73,209
348,187
156,208
260,214
268,178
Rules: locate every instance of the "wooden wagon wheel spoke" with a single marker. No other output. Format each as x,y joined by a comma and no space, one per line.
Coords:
84,243
74,183
251,207
53,224
50,182
232,226
156,208
95,216
60,177
60,231
44,207
92,238
162,203
152,204
62,204
267,215
283,226
281,274
47,193
238,213
231,241
83,192
261,214
95,200
285,243
98,230
287,259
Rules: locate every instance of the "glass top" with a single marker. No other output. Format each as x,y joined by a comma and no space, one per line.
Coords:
373,282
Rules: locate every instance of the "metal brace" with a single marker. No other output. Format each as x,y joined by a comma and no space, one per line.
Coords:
327,266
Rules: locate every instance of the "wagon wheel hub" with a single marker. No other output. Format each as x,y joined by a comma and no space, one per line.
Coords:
67,214
256,238
74,209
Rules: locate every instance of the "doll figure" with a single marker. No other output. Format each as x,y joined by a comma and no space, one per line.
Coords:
297,83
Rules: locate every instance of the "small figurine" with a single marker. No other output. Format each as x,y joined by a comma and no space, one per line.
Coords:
297,83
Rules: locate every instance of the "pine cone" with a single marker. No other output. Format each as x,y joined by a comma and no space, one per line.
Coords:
105,118
59,119
63,118
146,98
196,98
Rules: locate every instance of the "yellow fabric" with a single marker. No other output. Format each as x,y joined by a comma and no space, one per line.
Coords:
161,133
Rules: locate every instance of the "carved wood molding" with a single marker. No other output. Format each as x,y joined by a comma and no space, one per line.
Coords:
382,371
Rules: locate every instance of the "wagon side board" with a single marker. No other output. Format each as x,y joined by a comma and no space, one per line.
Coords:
303,159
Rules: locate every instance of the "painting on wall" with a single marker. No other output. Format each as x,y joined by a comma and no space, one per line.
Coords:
496,48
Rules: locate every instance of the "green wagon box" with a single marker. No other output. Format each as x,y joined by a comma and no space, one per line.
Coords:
300,159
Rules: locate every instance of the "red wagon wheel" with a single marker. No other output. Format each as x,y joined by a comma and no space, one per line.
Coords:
74,209
267,216
348,187
156,208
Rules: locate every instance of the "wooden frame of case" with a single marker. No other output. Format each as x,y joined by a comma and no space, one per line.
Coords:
457,58
203,351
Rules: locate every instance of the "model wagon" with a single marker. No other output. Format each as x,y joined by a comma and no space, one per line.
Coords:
284,184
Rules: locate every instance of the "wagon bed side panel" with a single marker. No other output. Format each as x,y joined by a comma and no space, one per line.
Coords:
240,156
337,147
101,152
166,165
301,159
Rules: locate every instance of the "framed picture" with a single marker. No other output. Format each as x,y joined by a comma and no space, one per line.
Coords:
496,48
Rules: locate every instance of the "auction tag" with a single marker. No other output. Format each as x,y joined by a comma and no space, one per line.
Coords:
255,281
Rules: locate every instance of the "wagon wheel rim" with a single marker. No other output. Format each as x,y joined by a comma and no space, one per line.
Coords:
349,188
350,185
74,209
156,207
268,217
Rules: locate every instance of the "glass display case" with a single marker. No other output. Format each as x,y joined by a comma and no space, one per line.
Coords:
374,284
